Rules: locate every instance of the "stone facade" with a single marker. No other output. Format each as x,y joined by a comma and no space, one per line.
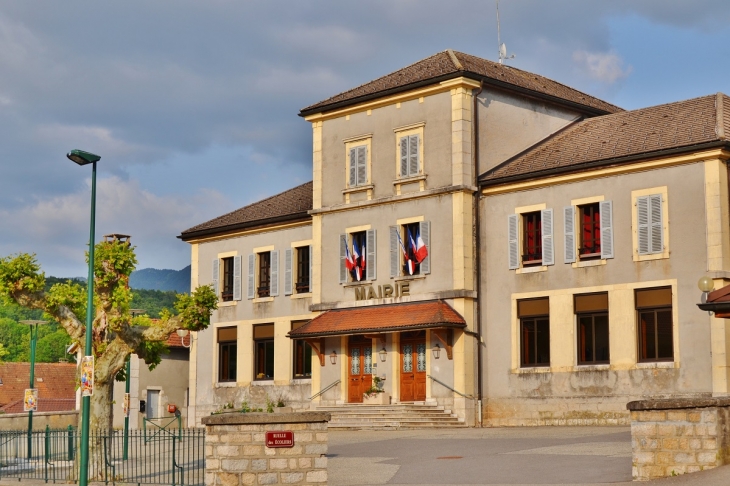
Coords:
678,436
236,452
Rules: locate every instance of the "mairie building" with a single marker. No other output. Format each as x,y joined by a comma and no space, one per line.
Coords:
482,238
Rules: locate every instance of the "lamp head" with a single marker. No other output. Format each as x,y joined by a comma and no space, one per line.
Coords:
182,332
706,284
83,158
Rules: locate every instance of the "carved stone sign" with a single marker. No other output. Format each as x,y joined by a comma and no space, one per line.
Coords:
280,438
400,289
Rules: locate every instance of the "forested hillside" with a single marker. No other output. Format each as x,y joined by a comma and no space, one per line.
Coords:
154,279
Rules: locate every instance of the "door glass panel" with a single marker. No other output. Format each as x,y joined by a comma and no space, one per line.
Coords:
368,361
407,358
355,362
421,357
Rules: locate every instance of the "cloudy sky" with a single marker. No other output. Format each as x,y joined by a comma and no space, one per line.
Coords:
193,105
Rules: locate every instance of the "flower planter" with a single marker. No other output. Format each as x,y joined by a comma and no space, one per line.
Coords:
376,399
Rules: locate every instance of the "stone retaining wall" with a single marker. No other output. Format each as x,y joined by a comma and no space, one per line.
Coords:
677,436
236,452
55,420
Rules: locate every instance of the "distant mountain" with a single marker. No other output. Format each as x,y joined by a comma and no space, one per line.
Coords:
153,279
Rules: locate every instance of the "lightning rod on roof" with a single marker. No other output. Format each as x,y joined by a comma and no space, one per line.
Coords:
502,47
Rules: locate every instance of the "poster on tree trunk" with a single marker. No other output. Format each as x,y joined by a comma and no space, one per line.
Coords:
30,400
125,405
87,376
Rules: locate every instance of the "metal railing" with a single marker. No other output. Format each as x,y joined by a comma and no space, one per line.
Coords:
162,458
447,386
324,389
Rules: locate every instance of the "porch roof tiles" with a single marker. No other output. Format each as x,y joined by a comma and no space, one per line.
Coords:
382,318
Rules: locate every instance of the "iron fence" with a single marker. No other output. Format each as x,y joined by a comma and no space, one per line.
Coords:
151,456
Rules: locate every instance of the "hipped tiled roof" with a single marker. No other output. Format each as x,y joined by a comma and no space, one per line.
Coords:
450,64
286,206
382,318
634,134
53,380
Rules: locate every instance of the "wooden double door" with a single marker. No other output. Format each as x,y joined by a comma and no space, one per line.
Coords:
413,367
360,372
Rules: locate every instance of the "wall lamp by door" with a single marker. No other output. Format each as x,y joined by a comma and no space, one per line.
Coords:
333,357
383,354
182,333
436,351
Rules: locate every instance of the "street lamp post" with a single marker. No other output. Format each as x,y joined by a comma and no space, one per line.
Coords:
83,158
33,341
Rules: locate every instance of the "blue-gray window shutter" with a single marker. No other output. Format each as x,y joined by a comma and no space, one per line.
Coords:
642,219
274,289
548,253
216,275
605,208
251,290
394,251
425,229
353,167
404,157
288,271
370,259
413,155
311,277
569,233
237,277
343,255
362,165
513,253
657,229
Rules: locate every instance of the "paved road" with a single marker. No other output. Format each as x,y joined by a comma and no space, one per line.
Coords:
502,456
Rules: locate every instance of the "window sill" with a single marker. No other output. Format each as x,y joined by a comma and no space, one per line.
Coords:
653,256
532,269
226,384
227,303
263,382
303,380
364,187
357,284
589,263
592,367
407,180
533,370
409,277
261,300
302,296
657,365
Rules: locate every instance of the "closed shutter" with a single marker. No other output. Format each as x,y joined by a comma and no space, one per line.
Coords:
642,219
353,167
657,229
237,277
370,259
288,271
404,157
311,279
216,275
425,229
251,272
343,255
394,252
513,255
569,233
413,155
362,165
606,210
548,255
274,289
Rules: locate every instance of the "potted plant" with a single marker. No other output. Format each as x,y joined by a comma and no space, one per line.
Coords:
375,395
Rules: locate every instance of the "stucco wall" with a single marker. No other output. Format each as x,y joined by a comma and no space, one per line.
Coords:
55,420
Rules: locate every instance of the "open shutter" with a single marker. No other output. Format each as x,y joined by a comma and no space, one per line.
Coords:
353,167
513,241
657,229
370,260
288,271
425,229
274,289
642,219
394,252
606,210
404,157
569,233
311,278
251,271
343,255
237,277
362,165
548,254
216,275
413,155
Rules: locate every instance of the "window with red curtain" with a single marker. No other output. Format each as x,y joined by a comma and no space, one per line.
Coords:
590,231
532,237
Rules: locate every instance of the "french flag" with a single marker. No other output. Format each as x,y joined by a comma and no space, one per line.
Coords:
362,259
420,250
358,267
411,265
349,261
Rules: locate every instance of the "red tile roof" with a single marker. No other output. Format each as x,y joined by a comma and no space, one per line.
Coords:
289,205
606,140
451,64
53,380
175,341
381,318
44,405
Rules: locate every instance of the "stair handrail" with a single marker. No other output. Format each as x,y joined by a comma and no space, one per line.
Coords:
447,386
325,389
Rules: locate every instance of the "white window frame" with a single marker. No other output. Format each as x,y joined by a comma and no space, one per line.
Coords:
635,195
519,213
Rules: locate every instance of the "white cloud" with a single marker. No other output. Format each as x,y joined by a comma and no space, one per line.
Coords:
607,67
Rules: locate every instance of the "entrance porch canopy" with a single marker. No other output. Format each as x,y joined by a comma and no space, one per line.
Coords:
410,316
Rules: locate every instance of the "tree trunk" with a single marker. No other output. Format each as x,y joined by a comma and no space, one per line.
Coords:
100,427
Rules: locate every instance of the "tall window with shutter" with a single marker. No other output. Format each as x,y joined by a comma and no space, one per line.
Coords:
409,155
227,291
588,231
530,239
358,256
410,249
650,227
358,165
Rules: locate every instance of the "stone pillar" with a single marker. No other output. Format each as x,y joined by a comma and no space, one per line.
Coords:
236,452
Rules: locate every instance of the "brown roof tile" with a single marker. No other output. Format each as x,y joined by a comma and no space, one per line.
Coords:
451,64
44,405
53,380
291,204
382,318
635,133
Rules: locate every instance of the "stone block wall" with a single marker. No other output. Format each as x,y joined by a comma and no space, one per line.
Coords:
530,412
236,452
678,436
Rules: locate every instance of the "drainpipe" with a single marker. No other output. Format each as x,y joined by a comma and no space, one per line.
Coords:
477,229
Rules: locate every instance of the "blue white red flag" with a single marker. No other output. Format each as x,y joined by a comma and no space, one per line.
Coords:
349,261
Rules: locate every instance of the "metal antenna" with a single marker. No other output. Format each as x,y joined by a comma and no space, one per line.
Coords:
502,49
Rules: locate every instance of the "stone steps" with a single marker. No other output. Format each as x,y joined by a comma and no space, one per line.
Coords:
390,417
